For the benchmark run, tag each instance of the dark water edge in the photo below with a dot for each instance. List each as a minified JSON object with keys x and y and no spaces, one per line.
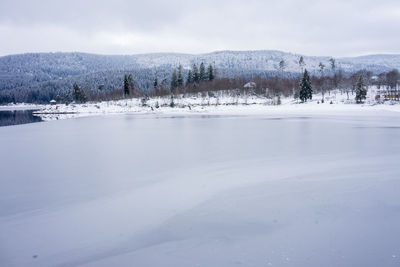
{"x":16,"y":117}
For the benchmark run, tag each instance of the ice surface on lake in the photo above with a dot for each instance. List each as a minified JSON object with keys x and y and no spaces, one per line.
{"x":157,"y":190}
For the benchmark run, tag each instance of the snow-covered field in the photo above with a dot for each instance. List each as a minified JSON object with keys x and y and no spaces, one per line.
{"x":282,"y":188}
{"x":218,"y":103}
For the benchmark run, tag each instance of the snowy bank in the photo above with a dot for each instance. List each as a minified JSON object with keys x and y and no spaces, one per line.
{"x":215,"y":104}
{"x":21,"y":106}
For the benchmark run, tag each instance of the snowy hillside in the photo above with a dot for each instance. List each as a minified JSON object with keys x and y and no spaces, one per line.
{"x":41,"y":77}
{"x":28,"y":69}
{"x":375,"y":63}
{"x":268,"y":60}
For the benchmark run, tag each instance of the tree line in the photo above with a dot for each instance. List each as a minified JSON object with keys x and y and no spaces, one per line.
{"x":301,"y":88}
{"x":204,"y":79}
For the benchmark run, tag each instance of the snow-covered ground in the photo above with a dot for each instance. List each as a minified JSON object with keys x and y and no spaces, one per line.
{"x":20,"y":106}
{"x":287,"y":188}
{"x":218,"y":103}
{"x":222,"y":103}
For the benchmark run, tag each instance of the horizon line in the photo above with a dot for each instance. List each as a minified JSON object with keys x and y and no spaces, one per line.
{"x":198,"y":54}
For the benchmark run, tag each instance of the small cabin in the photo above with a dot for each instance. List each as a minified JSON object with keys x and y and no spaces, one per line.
{"x":250,"y":85}
{"x":53,"y":102}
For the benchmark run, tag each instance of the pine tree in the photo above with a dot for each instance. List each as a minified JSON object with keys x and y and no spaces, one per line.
{"x":322,"y":86}
{"x":155,"y":86}
{"x":321,"y":68}
{"x":189,"y":79}
{"x":155,"y":83}
{"x":126,"y":85}
{"x":333,"y":64}
{"x":164,"y":85}
{"x":361,"y":91}
{"x":302,"y":63}
{"x":196,"y":74}
{"x":67,"y":99}
{"x":305,"y":87}
{"x":180,"y":76}
{"x":203,"y":76}
{"x":174,"y":80}
{"x":282,"y":66}
{"x":78,"y":94}
{"x":210,"y":73}
{"x":131,"y":85}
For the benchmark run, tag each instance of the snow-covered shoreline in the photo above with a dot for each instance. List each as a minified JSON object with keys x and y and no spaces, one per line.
{"x":21,"y":106}
{"x":127,"y":107}
{"x":218,"y":105}
{"x":239,"y":105}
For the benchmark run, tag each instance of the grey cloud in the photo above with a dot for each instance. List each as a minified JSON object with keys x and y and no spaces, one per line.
{"x":89,"y":15}
{"x":338,"y":28}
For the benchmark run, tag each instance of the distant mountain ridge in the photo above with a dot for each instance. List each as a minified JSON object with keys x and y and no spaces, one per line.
{"x":59,"y":70}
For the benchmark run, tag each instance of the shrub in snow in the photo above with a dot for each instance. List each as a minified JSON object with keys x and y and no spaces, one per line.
{"x":279,"y":100}
{"x":144,"y":100}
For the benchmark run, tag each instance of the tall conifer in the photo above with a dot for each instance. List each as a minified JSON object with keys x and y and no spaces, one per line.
{"x":305,"y":87}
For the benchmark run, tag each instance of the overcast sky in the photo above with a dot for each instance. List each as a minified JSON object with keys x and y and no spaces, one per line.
{"x":314,"y":27}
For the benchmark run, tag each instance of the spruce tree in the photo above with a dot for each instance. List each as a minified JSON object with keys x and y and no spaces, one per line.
{"x":322,"y":85}
{"x":361,"y":91}
{"x":189,"y":79}
{"x":164,"y":85}
{"x":180,"y":76}
{"x":305,"y":87}
{"x":155,"y":86}
{"x":333,"y":64}
{"x":78,"y":94}
{"x":174,"y":80}
{"x":203,"y":76}
{"x":301,"y":63}
{"x":131,"y":85}
{"x":126,"y":85}
{"x":155,"y":83}
{"x":282,"y":66}
{"x":210,"y":73}
{"x":196,"y":74}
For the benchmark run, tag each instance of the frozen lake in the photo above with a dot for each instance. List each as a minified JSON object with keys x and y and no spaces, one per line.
{"x":196,"y":190}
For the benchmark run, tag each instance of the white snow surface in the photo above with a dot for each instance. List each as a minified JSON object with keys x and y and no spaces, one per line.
{"x":20,"y":106}
{"x":282,"y":187}
{"x":219,"y":103}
